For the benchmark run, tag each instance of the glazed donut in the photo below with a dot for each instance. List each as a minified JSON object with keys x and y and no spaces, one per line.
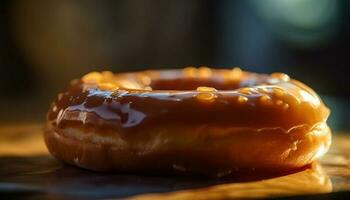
{"x":195,"y":120}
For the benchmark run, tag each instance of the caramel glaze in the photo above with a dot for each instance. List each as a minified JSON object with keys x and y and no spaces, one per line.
{"x":128,"y":103}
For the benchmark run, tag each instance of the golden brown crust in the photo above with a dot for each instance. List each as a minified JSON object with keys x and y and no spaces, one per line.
{"x":204,"y":150}
{"x":222,"y":122}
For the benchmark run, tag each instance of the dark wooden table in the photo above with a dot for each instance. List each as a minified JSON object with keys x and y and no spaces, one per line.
{"x":27,"y":171}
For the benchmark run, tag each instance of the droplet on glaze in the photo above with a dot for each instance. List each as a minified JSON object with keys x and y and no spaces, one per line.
{"x":143,"y":78}
{"x":242,"y":99}
{"x":295,"y":145}
{"x":282,"y":76}
{"x":236,"y":73}
{"x":146,"y":80}
{"x":206,"y":93}
{"x":107,"y":74}
{"x":265,"y":100}
{"x":204,"y":72}
{"x":92,"y":77}
{"x":279,"y":102}
{"x":190,"y":72}
{"x":278,"y":91}
{"x":282,"y":104}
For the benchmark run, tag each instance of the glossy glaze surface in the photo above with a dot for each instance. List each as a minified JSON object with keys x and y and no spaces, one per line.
{"x":130,"y":102}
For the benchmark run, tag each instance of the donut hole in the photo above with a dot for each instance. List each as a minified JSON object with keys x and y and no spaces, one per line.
{"x":193,"y":84}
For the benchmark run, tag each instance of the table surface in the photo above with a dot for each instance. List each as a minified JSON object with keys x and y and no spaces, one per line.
{"x":27,"y":171}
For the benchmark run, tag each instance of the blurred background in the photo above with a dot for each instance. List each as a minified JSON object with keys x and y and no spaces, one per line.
{"x":46,"y":43}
